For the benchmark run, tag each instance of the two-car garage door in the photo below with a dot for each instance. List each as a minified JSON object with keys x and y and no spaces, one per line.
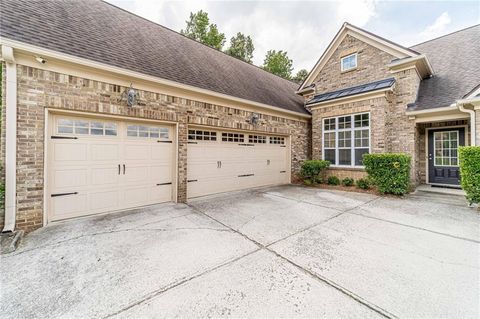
{"x":97,"y":165}
{"x":221,"y":161}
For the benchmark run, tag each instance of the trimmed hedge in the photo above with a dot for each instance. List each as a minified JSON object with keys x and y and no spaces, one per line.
{"x":390,"y":172}
{"x":363,"y":183}
{"x":469,"y":159}
{"x":348,"y":181}
{"x":333,"y":180}
{"x":312,"y":171}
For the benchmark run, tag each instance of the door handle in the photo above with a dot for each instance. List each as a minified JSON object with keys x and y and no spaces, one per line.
{"x":220,"y":164}
{"x":118,"y":169}
{"x":123,"y":169}
{"x":268,"y":162}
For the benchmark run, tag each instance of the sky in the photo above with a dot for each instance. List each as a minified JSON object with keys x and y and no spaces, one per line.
{"x":305,"y":28}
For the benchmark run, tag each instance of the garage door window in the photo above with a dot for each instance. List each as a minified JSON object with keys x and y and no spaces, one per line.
{"x":277,"y":140}
{"x":261,"y":139}
{"x":232,"y":137}
{"x":83,"y":127}
{"x":198,"y":135}
{"x":147,"y":131}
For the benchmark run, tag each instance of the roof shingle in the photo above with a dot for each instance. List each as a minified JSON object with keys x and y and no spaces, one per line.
{"x":455,"y":59}
{"x":101,"y":32}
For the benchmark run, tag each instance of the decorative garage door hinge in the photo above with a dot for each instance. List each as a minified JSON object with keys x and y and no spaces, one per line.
{"x":192,"y":180}
{"x":192,"y":142}
{"x":164,"y":141}
{"x":283,"y":171}
{"x":64,"y":194}
{"x":64,"y":137}
{"x":169,"y":183}
{"x":246,"y":144}
{"x":246,"y":175}
{"x":283,"y":145}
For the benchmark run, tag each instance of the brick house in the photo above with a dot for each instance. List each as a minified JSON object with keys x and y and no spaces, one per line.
{"x":104,"y":111}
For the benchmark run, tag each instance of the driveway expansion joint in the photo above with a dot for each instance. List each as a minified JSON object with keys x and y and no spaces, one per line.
{"x":313,"y":275}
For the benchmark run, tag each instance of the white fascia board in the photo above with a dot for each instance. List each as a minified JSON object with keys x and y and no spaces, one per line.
{"x":125,"y":72}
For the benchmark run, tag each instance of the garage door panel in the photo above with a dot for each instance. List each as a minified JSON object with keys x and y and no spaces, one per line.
{"x":104,"y":152}
{"x":92,"y":166}
{"x":70,"y":151}
{"x":70,"y":178}
{"x":104,"y":176}
{"x":243,"y":165}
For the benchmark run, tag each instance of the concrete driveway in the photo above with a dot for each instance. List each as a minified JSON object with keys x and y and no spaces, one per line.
{"x":282,"y":251}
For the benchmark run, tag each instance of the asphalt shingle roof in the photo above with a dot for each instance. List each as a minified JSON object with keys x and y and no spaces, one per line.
{"x":364,"y":88}
{"x":455,"y":59}
{"x":101,"y":32}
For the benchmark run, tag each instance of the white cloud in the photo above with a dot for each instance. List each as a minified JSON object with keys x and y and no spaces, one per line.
{"x":437,"y":28}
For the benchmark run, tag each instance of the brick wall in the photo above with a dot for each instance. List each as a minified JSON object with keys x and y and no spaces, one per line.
{"x":2,"y":140}
{"x":371,"y":66}
{"x":39,"y":89}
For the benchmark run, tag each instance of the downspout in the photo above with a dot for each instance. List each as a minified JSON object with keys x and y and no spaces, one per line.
{"x":460,"y":104}
{"x":10,"y":138}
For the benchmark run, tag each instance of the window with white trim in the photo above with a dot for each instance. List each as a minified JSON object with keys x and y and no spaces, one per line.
{"x":147,"y":131}
{"x":346,"y":138}
{"x":202,"y":135}
{"x":277,"y":140}
{"x":348,"y":62}
{"x":85,"y":127}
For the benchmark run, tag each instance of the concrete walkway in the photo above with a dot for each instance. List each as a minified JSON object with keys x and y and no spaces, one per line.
{"x":284,"y":251}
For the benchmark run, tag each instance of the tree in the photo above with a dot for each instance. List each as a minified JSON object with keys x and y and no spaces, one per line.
{"x":300,"y":76}
{"x":278,"y":63}
{"x":200,"y":29}
{"x":241,"y":47}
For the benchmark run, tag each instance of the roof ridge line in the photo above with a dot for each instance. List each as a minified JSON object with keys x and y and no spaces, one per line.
{"x":446,"y":35}
{"x":178,"y":33}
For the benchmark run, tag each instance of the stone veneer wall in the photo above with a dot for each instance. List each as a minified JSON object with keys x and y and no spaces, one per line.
{"x":39,"y":89}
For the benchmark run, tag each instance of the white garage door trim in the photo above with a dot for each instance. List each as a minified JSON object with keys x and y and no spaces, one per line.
{"x":244,"y":159}
{"x":172,"y":148}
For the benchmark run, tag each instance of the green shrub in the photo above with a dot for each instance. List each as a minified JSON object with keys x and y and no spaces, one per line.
{"x":313,"y":170}
{"x":333,"y":180}
{"x":389,"y":172}
{"x":363,"y":183}
{"x":347,"y":181}
{"x":469,"y":159}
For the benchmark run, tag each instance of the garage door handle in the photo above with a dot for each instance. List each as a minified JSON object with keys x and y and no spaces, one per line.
{"x":160,"y":184}
{"x":283,"y":171}
{"x":164,"y":141}
{"x":192,"y":180}
{"x":64,"y":194}
{"x":123,"y":169}
{"x":283,"y":146}
{"x":246,"y":175}
{"x":118,"y":169}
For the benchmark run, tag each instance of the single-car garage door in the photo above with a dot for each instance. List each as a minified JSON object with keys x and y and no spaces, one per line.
{"x":101,"y":165}
{"x":225,"y":161}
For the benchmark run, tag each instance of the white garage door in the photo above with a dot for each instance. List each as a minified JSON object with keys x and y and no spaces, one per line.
{"x":225,"y":161}
{"x":97,"y":165}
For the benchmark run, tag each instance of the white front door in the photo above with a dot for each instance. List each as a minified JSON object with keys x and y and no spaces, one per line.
{"x":101,"y":165}
{"x":225,"y":161}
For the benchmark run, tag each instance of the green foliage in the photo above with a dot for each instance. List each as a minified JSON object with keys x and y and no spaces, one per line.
{"x":347,"y":181}
{"x":241,"y":47}
{"x":469,"y":158}
{"x":363,"y":183}
{"x":278,"y":63}
{"x":389,"y":172}
{"x":312,"y":171}
{"x":333,"y":180}
{"x":300,"y":76}
{"x":2,"y":196}
{"x":200,"y":29}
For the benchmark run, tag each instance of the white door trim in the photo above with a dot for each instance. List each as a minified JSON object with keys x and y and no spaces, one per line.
{"x":427,"y":176}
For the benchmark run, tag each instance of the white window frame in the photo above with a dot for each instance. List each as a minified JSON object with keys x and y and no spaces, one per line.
{"x":352,"y":129}
{"x":348,"y":56}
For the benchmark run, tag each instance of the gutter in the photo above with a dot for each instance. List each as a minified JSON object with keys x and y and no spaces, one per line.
{"x":10,"y":138}
{"x":460,"y":104}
